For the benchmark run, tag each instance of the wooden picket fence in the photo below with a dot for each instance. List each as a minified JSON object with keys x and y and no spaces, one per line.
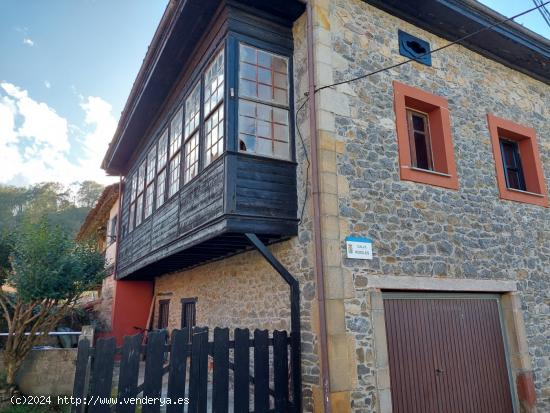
{"x":255,"y":370}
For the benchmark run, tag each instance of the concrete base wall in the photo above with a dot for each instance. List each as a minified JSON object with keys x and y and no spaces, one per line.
{"x":47,"y":372}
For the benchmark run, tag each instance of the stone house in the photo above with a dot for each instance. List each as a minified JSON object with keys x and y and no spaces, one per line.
{"x":409,"y":202}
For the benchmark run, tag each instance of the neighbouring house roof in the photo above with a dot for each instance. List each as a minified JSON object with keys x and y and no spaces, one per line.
{"x":99,"y":214}
{"x":184,"y":22}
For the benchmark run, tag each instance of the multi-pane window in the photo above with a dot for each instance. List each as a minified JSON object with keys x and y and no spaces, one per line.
{"x":132,"y":210}
{"x":176,"y":126}
{"x":263,"y":103}
{"x":213,"y":134}
{"x":150,"y":181}
{"x":139,"y":191}
{"x":192,"y":117}
{"x":419,"y":140}
{"x":213,"y":84}
{"x":174,"y":181}
{"x":191,"y":157}
{"x":213,"y":109}
{"x":162,"y":157}
{"x":511,"y":160}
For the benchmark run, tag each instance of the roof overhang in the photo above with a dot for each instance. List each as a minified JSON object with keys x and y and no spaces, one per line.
{"x":509,"y":43}
{"x":183,"y":24}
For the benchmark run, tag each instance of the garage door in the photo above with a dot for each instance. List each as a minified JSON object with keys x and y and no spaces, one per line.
{"x":446,"y":354}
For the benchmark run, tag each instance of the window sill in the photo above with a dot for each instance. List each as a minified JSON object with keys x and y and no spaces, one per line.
{"x":519,"y":191}
{"x":424,"y":176}
{"x":428,"y":171}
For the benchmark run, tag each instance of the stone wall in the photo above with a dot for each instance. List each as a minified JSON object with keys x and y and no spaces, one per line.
{"x":420,"y":230}
{"x":47,"y":372}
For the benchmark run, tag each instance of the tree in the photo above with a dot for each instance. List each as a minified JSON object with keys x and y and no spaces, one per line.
{"x":48,"y":272}
{"x":88,"y":193}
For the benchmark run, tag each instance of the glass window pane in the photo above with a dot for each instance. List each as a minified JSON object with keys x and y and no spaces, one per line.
{"x":264,"y":59}
{"x":280,"y":96}
{"x":161,"y":187}
{"x":281,"y":80}
{"x":280,"y":133}
{"x":247,"y":143}
{"x":247,"y":125}
{"x":248,"y":71}
{"x":258,"y":82}
{"x":213,"y":84}
{"x":247,"y":108}
{"x":280,"y":64}
{"x":264,"y":147}
{"x":262,"y":127}
{"x":151,"y":160}
{"x":139,"y":210}
{"x":247,"y":88}
{"x":418,"y":123}
{"x":282,"y":150}
{"x":247,"y":54}
{"x":264,"y":112}
{"x":264,"y":76}
{"x":192,"y":111}
{"x":422,"y":157}
{"x":133,"y":187}
{"x":141,"y":177}
{"x":174,"y":185}
{"x":162,"y":150}
{"x":175,"y":132}
{"x":213,"y":130}
{"x":280,"y":116}
{"x":191,"y":157}
{"x":149,"y":200}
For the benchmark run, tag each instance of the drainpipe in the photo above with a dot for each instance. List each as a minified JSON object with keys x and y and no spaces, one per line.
{"x":319,"y":270}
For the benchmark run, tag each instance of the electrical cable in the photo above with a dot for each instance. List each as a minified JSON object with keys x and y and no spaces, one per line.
{"x":491,"y":26}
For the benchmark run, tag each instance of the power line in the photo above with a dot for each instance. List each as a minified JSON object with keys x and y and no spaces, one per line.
{"x":538,"y":7}
{"x":543,"y":11}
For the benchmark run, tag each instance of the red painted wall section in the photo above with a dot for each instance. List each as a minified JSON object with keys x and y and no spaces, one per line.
{"x":131,"y":307}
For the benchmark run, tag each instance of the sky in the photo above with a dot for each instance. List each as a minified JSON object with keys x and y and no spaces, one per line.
{"x":66,"y":69}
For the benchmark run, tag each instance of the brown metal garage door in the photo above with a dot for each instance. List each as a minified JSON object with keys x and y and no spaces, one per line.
{"x":446,"y":354}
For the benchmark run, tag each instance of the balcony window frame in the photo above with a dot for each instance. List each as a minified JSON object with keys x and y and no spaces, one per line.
{"x":236,"y":39}
{"x":219,"y":108}
{"x":177,"y":153}
{"x":162,"y":168}
{"x":536,"y":191}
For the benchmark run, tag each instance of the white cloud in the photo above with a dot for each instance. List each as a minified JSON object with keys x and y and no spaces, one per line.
{"x":28,"y":41}
{"x":47,"y":84}
{"x":35,"y":140}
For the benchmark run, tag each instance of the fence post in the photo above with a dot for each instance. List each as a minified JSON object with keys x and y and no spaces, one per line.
{"x":81,"y":374}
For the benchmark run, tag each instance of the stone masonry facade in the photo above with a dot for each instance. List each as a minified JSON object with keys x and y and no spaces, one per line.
{"x":418,"y":230}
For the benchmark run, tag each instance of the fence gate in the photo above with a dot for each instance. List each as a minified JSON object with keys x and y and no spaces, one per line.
{"x":191,"y":374}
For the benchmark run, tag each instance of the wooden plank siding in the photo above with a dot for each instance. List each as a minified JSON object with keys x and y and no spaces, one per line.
{"x":235,"y":194}
{"x":262,"y":199}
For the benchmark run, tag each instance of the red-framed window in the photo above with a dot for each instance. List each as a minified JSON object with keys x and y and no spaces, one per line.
{"x":426,"y":153}
{"x":518,"y":166}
